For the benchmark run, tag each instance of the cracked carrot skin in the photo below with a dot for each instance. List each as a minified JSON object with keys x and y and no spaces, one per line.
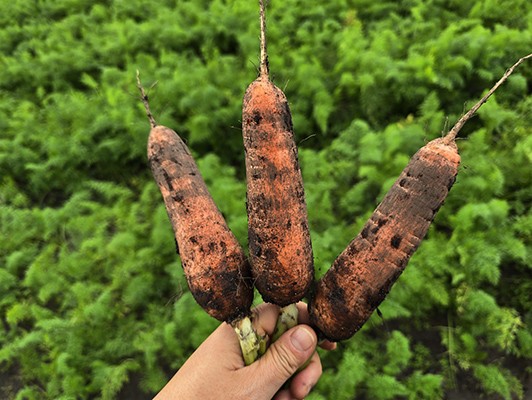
{"x":279,"y":240}
{"x":215,"y":266}
{"x":363,"y":274}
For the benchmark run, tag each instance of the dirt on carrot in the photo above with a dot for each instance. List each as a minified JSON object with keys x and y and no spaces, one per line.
{"x":363,"y":274}
{"x":279,"y":239}
{"x":216,"y":268}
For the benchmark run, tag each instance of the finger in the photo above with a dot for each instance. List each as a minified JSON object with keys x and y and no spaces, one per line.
{"x":283,"y":358}
{"x":223,"y":341}
{"x":283,"y":394}
{"x":326,"y":345}
{"x":303,"y":318}
{"x":265,"y":317}
{"x":303,"y":382}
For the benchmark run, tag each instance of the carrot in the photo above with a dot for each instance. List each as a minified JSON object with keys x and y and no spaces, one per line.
{"x":363,"y":274}
{"x":215,"y":266}
{"x":217,"y":271}
{"x":279,"y":241}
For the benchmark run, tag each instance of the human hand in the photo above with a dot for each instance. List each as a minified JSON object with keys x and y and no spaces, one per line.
{"x":216,"y":369}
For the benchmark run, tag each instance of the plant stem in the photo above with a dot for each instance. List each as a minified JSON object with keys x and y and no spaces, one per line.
{"x":252,"y":344}
{"x":264,"y":65}
{"x":456,"y":128}
{"x":287,"y":319}
{"x":144,"y":99}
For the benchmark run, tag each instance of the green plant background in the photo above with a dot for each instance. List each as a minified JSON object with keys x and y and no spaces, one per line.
{"x":93,"y":302}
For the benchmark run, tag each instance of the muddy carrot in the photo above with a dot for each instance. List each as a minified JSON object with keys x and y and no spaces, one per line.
{"x":216,"y":268}
{"x":279,"y":241}
{"x":363,"y":274}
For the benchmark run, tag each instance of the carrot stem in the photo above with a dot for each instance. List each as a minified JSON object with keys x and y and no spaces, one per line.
{"x":144,"y":99}
{"x":287,"y":319}
{"x":264,"y":65}
{"x":252,"y":344}
{"x":456,"y":128}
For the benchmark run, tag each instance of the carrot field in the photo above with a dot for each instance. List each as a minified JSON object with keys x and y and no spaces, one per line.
{"x":94,"y":302}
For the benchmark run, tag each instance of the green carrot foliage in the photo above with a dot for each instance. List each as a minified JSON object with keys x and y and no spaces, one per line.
{"x":93,"y":301}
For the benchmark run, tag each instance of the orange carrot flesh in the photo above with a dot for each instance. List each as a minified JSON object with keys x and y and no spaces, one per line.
{"x":216,"y":269}
{"x":361,"y":277}
{"x":279,"y":239}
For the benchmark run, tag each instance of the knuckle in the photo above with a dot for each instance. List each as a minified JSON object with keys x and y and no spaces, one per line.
{"x":285,"y":363}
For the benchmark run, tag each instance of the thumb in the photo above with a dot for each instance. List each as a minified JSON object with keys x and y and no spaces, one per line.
{"x":284,"y":357}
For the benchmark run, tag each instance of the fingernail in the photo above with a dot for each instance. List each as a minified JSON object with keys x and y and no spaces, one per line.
{"x":302,"y":339}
